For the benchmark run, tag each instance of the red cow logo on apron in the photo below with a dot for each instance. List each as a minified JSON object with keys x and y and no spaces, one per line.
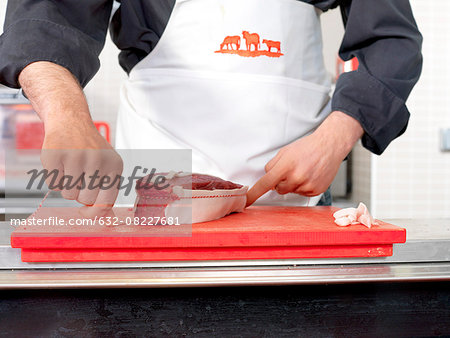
{"x":232,"y":44}
{"x":229,"y":41}
{"x":251,"y":40}
{"x":274,"y":44}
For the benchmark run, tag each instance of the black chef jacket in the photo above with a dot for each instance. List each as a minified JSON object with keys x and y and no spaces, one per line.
{"x":382,"y":34}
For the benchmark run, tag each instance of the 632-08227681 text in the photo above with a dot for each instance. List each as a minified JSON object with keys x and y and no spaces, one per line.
{"x":107,"y":221}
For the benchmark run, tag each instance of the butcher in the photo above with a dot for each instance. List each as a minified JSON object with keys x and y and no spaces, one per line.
{"x":259,"y":114}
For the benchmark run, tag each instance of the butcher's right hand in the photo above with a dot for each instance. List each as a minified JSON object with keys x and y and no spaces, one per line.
{"x":73,"y":146}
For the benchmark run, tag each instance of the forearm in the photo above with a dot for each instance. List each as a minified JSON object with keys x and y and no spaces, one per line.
{"x":55,"y":94}
{"x":340,"y":132}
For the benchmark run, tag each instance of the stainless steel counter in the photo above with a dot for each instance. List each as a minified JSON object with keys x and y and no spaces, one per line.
{"x":424,"y":256}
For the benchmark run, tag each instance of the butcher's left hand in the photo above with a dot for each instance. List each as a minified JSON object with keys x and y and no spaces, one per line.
{"x":309,"y":165}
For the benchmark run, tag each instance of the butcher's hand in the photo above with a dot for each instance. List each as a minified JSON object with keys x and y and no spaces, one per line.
{"x":309,"y":165}
{"x":72,"y":144}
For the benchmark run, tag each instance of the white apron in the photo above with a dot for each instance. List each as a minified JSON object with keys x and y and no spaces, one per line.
{"x":234,"y":109}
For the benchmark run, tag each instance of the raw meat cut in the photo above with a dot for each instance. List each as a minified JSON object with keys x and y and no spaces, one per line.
{"x":186,"y":181}
{"x":190,"y":197}
{"x":358,"y":215}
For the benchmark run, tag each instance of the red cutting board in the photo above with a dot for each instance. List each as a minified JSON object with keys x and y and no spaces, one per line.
{"x":260,"y":232}
{"x":202,"y":254}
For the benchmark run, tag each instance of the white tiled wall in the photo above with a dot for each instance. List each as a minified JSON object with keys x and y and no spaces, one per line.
{"x":361,"y":175}
{"x":332,"y":33}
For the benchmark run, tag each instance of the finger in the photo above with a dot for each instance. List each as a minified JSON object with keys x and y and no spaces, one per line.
{"x":51,"y":161}
{"x":286,"y":186}
{"x":89,"y":193}
{"x":305,"y":191}
{"x":73,"y":174}
{"x":264,"y":184}
{"x":295,"y":182}
{"x":105,"y":199}
{"x":272,"y":162}
{"x":107,"y":184}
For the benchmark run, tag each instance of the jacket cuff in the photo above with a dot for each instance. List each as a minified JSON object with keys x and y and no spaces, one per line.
{"x":381,"y":113}
{"x":59,"y":44}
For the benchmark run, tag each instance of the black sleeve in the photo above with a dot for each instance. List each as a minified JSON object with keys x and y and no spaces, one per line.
{"x":70,"y":33}
{"x":384,"y":37}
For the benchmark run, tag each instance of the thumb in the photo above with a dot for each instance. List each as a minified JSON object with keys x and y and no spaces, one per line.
{"x":264,"y":184}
